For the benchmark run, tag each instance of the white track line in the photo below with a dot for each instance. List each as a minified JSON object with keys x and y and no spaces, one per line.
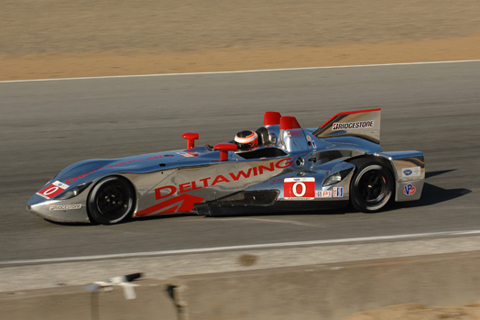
{"x":244,"y":247}
{"x":244,"y":71}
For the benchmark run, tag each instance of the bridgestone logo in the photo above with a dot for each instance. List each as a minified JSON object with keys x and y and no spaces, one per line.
{"x":353,"y":125}
{"x":65,"y":207}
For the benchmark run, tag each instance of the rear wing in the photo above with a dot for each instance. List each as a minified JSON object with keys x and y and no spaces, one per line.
{"x":364,"y":124}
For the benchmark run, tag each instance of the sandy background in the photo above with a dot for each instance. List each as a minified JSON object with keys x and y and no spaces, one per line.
{"x":80,"y":38}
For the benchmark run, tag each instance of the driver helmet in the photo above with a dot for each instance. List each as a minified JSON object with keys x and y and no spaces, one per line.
{"x":246,"y":139}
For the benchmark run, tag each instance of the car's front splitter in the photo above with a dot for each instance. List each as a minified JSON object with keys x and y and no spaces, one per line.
{"x":71,"y":211}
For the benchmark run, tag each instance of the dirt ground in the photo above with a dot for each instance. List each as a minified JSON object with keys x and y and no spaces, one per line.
{"x":413,"y":311}
{"x":84,"y":38}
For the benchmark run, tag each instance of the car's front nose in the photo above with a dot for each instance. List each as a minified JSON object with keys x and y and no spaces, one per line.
{"x":72,"y":210}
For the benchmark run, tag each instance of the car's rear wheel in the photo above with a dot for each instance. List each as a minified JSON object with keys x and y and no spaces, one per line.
{"x":372,"y":186}
{"x":111,"y":200}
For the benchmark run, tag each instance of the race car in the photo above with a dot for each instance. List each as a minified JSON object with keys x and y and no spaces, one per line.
{"x":280,"y":167}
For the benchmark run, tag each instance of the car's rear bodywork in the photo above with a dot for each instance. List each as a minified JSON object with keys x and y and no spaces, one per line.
{"x":293,"y":169}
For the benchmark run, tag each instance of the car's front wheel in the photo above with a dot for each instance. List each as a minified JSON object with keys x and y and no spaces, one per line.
{"x":111,"y":200}
{"x":372,"y":186}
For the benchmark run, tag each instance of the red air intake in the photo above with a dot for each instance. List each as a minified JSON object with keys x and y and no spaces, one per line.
{"x":287,"y":123}
{"x":271,"y":118}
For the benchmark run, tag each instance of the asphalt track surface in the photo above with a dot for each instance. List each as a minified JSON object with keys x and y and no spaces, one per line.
{"x":47,"y":125}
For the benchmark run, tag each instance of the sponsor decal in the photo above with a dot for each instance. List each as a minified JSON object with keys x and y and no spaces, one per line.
{"x":299,"y":188}
{"x":409,"y":190}
{"x":230,"y":177}
{"x":353,"y":125}
{"x":411,"y":172}
{"x":337,"y":192}
{"x":63,"y":207}
{"x":189,"y":154}
{"x":185,"y":202}
{"x":294,"y":133}
{"x":53,"y":190}
{"x":323,"y":194}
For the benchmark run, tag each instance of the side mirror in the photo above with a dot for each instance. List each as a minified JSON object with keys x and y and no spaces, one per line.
{"x":224,"y":148}
{"x":191,"y":137}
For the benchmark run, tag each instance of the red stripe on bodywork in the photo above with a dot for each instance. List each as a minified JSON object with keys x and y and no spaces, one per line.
{"x":348,"y":112}
{"x":184,"y":203}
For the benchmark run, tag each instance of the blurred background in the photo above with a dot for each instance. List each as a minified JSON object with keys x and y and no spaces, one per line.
{"x":47,"y":125}
{"x":81,"y":38}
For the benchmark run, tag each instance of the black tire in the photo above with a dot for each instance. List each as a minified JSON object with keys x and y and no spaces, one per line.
{"x":372,"y":186}
{"x":111,"y":200}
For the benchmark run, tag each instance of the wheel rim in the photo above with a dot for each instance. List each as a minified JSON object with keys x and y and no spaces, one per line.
{"x":373,"y":187}
{"x":112,"y":201}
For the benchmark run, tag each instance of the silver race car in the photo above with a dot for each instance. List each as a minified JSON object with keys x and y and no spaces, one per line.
{"x":280,"y":167}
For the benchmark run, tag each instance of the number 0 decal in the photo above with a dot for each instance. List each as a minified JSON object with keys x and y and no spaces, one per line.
{"x":299,"y":188}
{"x":53,"y":190}
{"x":303,"y":189}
